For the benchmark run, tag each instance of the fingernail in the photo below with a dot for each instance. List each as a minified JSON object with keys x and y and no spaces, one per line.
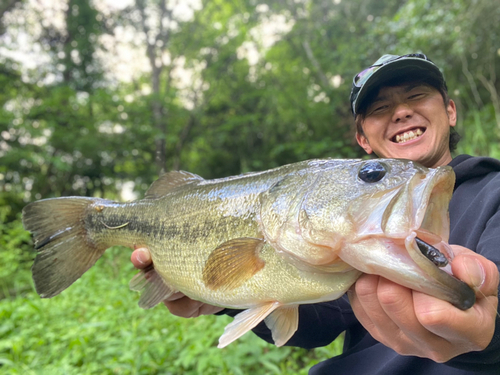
{"x":475,"y":271}
{"x":143,"y":256}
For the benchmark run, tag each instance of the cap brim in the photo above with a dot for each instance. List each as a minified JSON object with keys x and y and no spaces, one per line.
{"x":406,"y":69}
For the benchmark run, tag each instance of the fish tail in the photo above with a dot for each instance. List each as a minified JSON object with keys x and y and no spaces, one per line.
{"x":65,"y":250}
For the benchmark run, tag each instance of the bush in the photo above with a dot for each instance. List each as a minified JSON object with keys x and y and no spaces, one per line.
{"x":96,"y":327}
{"x":16,"y":254}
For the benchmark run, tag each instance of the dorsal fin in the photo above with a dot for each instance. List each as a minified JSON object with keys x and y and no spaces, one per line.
{"x":170,"y":181}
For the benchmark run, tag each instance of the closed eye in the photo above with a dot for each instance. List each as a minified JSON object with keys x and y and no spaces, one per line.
{"x":379,"y":108}
{"x":416,"y":96}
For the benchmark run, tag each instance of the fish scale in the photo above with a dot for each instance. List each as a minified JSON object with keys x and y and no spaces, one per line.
{"x":265,"y":242}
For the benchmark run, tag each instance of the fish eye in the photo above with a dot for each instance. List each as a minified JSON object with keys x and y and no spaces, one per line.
{"x":372,"y":171}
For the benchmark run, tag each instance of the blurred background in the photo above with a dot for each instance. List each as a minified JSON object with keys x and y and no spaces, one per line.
{"x":98,"y":97}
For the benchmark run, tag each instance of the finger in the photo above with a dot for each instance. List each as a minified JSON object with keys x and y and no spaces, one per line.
{"x":141,"y":258}
{"x":469,"y":330}
{"x":175,"y":296}
{"x":476,"y":271}
{"x":389,"y":308}
{"x":360,"y":313}
{"x":474,"y":326}
{"x":439,"y":317}
{"x":207,"y":309}
{"x":399,"y":303}
{"x":366,"y":306}
{"x":184,"y":307}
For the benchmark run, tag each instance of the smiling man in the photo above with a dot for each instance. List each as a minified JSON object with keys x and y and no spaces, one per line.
{"x":402,"y":110}
{"x":410,"y":116}
{"x":409,"y":121}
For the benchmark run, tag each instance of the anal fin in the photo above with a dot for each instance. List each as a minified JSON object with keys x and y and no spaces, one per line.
{"x":283,"y":322}
{"x":154,"y":289}
{"x":245,"y":321}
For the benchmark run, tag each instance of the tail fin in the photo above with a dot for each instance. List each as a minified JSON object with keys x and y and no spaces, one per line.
{"x":65,"y":252}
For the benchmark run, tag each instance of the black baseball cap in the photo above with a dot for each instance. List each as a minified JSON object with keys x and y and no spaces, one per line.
{"x":393,"y":67}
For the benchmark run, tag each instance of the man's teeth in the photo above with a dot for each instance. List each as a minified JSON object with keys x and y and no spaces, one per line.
{"x":408,"y":136}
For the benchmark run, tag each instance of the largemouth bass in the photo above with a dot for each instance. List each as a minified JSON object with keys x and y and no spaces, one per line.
{"x":264,"y":242}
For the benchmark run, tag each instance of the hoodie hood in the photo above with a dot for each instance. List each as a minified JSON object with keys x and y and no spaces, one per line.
{"x":467,"y":167}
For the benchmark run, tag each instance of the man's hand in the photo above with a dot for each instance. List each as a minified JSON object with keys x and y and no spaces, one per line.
{"x":413,"y":323}
{"x":178,"y":304}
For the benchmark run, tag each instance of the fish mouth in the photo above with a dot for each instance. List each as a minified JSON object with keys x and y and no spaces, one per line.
{"x":446,"y":287}
{"x":427,"y":239}
{"x":408,"y":135}
{"x":409,"y":245}
{"x":411,"y":263}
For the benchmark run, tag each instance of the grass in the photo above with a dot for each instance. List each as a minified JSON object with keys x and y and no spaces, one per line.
{"x":96,"y":327}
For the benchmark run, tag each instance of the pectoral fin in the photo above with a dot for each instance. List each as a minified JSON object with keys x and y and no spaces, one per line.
{"x":245,"y":321}
{"x":283,"y":323}
{"x":233,"y":263}
{"x":154,"y":290}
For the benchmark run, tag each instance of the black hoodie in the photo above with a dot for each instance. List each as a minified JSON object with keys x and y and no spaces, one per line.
{"x":475,"y":224}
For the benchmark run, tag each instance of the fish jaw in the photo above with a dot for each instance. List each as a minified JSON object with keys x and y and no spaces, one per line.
{"x":402,"y":262}
{"x":384,"y":257}
{"x":385,"y":241}
{"x":448,"y":287}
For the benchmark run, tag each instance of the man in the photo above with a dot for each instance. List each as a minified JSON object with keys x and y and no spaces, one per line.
{"x":402,"y":110}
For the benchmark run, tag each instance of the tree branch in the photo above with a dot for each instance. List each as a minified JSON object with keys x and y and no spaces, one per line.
{"x":316,"y":65}
{"x":495,"y":100}
{"x":472,"y":83}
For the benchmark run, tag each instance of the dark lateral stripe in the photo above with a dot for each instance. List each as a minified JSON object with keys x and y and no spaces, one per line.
{"x":196,"y":230}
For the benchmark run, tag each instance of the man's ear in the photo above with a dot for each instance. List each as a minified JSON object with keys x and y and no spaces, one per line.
{"x":363,"y":142}
{"x":451,"y":109}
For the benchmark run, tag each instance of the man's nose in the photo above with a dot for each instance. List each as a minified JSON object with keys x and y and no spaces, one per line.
{"x":402,"y":112}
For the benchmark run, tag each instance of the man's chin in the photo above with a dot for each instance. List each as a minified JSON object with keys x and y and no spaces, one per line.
{"x":405,"y":152}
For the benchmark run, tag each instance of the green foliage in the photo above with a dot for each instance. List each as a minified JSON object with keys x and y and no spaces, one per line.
{"x":16,"y":252}
{"x":462,"y":37}
{"x":69,"y":127}
{"x":96,"y":327}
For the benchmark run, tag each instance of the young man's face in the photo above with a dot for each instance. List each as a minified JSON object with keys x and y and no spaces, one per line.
{"x":409,"y":122}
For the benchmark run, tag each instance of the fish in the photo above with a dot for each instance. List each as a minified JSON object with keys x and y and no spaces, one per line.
{"x":263,"y":242}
